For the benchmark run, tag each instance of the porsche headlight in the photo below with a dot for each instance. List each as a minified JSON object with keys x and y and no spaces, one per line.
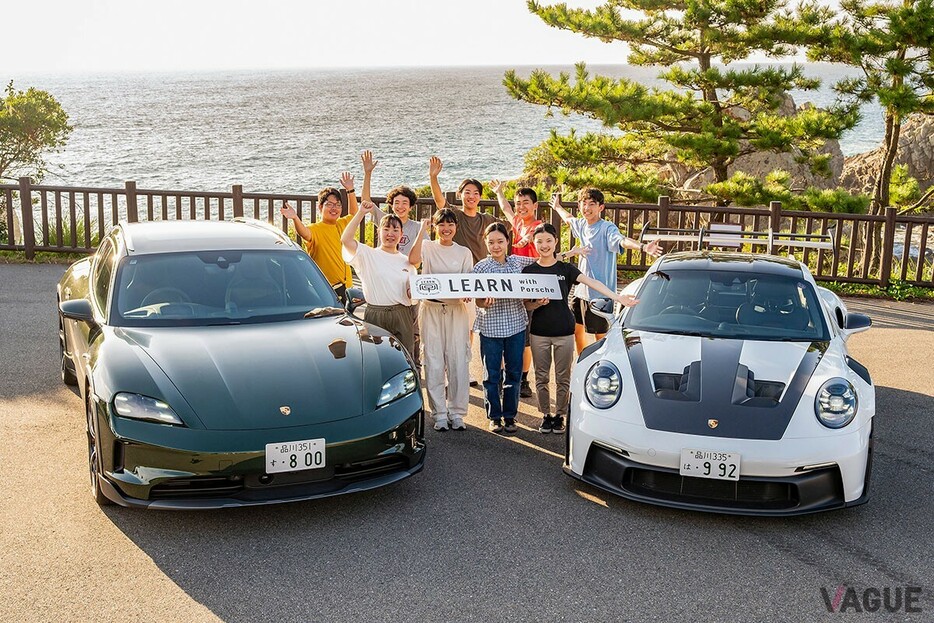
{"x":398,"y":386}
{"x":836,"y":403}
{"x":603,"y":385}
{"x":140,"y":407}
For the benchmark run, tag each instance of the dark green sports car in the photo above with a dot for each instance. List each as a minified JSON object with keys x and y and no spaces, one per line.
{"x":217,"y":369}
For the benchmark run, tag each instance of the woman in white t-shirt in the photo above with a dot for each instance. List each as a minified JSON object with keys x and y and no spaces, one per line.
{"x":385,"y":273}
{"x":446,"y":329}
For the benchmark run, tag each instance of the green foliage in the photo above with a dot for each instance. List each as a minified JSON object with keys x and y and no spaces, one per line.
{"x":66,"y":234}
{"x":898,"y":290}
{"x":31,"y":123}
{"x":891,"y":42}
{"x":710,"y":116}
{"x":904,"y":190}
{"x":746,"y":190}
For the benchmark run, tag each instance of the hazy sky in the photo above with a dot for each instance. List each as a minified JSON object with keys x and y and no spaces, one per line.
{"x":118,"y":35}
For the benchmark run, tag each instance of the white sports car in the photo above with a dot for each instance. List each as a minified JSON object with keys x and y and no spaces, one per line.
{"x":728,"y":388}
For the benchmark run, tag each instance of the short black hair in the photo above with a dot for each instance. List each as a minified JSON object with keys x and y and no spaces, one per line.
{"x":324,"y":193}
{"x":445,"y":215}
{"x":590,"y":193}
{"x":525,"y":191}
{"x":471,"y":181}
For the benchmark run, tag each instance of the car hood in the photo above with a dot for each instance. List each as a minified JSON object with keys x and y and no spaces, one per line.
{"x":260,"y":376}
{"x":720,"y":387}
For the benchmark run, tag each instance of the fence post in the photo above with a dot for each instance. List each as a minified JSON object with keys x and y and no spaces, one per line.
{"x":450,"y":197}
{"x":237,"y":190}
{"x":663,"y":203}
{"x":888,"y":244}
{"x":132,"y":209}
{"x":775,"y":222}
{"x":25,"y":204}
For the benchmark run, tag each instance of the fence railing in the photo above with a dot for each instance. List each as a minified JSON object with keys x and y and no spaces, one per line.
{"x":871,"y":249}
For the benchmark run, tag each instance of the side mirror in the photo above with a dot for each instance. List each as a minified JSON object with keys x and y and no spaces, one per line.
{"x":854,"y":323}
{"x":354,"y":299}
{"x":77,"y":309}
{"x":602,"y":307}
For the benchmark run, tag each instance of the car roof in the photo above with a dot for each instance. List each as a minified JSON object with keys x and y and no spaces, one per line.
{"x":740,"y":262}
{"x":180,"y":236}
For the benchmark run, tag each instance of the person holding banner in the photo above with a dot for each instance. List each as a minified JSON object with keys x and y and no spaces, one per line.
{"x":384,"y":272}
{"x":551,"y":326}
{"x":501,"y":323}
{"x":445,"y":322}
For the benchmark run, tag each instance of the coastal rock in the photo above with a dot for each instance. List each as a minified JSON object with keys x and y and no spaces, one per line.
{"x":760,"y":164}
{"x":915,"y":149}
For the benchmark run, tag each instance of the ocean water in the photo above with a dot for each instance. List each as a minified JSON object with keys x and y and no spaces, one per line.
{"x":295,"y":131}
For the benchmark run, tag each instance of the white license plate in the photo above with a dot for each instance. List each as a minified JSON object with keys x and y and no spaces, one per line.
{"x":710,"y":464}
{"x":294,"y":456}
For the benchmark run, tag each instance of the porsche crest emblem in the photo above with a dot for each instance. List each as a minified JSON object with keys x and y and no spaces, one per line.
{"x":713,"y":423}
{"x":285,"y":410}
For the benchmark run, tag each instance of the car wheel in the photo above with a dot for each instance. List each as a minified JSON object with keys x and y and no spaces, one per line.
{"x":68,"y":375}
{"x":93,"y":459}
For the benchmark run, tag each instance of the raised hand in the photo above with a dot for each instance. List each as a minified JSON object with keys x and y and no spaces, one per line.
{"x":347,"y":181}
{"x":288,"y":211}
{"x":434,"y":166}
{"x":653,"y":248}
{"x":368,"y":163}
{"x":579,"y":250}
{"x":367,"y":207}
{"x":496,"y":186}
{"x":556,"y":198}
{"x":425,"y":224}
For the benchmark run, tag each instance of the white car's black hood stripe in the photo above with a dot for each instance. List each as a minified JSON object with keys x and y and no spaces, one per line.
{"x":722,"y":385}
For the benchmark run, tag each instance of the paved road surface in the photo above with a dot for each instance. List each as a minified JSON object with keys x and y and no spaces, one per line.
{"x":490,"y":531}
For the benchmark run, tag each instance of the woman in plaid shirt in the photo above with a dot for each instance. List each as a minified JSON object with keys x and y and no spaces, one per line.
{"x":501,"y":324}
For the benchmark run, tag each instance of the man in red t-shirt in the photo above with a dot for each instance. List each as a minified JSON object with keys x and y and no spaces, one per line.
{"x":524,"y":220}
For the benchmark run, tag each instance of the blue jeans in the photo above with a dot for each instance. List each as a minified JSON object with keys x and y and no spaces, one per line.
{"x":494,"y":351}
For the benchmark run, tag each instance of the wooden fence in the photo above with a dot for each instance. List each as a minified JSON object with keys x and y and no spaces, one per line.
{"x":64,"y":219}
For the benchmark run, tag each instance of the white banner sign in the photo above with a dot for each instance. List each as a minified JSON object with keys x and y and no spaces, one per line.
{"x":485,"y":285}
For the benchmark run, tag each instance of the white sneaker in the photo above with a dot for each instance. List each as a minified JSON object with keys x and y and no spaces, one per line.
{"x":458,"y":424}
{"x":441,"y":426}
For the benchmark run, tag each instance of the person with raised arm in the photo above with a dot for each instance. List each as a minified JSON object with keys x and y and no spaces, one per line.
{"x":322,"y":239}
{"x":445,"y":322}
{"x":401,"y":201}
{"x":384,"y":272}
{"x":524,"y":221}
{"x":552,"y":326}
{"x":471,"y":223}
{"x":605,"y":242}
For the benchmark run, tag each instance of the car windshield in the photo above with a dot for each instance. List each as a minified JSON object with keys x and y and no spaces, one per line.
{"x":728,"y":304}
{"x":217,"y":287}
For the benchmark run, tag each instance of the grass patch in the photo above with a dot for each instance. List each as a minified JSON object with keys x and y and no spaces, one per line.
{"x":41,"y":257}
{"x":898,"y":290}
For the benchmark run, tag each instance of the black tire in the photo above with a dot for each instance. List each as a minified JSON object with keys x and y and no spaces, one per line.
{"x":68,"y":375}
{"x":93,"y":458}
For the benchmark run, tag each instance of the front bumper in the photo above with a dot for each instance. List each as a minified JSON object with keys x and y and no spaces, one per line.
{"x":194,"y":469}
{"x":775,"y":479}
{"x":809,"y":492}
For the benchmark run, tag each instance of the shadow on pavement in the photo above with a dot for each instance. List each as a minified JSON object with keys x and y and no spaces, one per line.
{"x":493,"y":530}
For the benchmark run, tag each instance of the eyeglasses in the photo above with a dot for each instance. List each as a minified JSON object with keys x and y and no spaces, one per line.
{"x":331,"y":204}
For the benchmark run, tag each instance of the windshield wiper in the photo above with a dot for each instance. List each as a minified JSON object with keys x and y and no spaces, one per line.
{"x":321,"y":312}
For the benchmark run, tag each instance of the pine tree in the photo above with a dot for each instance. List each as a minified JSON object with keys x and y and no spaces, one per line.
{"x":714,"y":113}
{"x":892,"y":43}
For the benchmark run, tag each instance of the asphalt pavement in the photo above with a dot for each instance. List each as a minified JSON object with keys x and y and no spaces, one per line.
{"x":491,"y":530}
